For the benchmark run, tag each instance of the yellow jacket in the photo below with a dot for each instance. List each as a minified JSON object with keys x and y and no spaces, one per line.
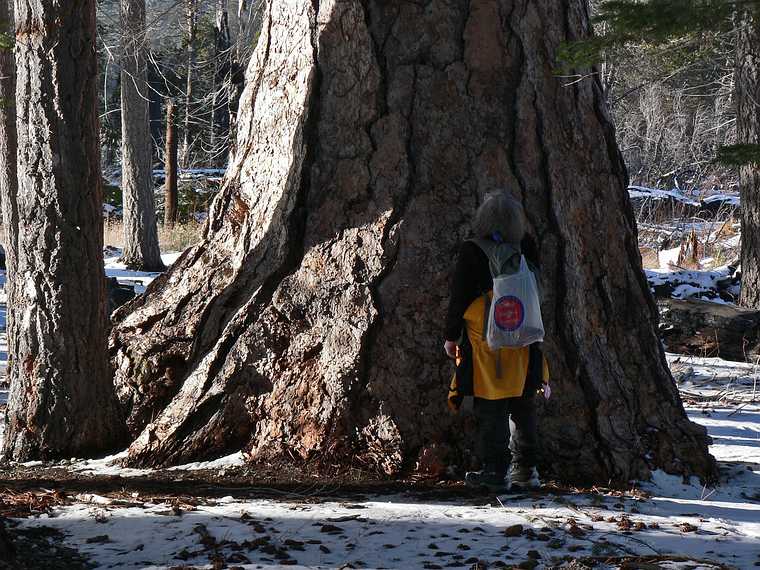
{"x":489,"y":374}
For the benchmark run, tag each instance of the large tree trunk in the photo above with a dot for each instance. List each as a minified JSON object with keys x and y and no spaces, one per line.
{"x":748,"y":131}
{"x":8,"y":147}
{"x":61,"y":398}
{"x":308,"y":321}
{"x":170,"y":167}
{"x":141,"y":248}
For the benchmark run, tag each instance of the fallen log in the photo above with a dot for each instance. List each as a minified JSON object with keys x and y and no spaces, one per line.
{"x":703,"y":328}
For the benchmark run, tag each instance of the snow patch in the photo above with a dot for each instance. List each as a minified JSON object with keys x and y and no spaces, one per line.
{"x":729,"y":199}
{"x":137,"y":279}
{"x":720,"y":285}
{"x":233,"y":460}
{"x":655,"y":194}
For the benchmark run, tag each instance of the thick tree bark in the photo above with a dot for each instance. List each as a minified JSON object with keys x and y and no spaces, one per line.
{"x":141,"y":248}
{"x":8,"y":180}
{"x":61,"y":400}
{"x":170,"y":167}
{"x":308,"y":321}
{"x":191,"y":22}
{"x":748,"y":131}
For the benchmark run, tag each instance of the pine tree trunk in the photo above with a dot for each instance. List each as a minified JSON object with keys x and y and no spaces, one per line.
{"x":61,"y":400}
{"x":111,"y":85}
{"x":748,"y":131}
{"x":308,"y":322}
{"x":155,"y":110}
{"x":190,"y":18}
{"x":219,"y":104}
{"x":237,"y":74}
{"x":170,"y":167}
{"x":141,"y":248}
{"x":8,"y":146}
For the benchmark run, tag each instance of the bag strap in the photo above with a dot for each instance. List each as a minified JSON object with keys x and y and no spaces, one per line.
{"x":498,"y":254}
{"x":486,"y":314}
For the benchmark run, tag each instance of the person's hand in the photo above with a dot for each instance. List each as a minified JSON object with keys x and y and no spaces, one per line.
{"x":547,"y":390}
{"x":451,"y":348}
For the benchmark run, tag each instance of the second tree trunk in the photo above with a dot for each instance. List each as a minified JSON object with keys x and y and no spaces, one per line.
{"x":141,"y":248}
{"x":748,"y":132}
{"x":61,"y":400}
{"x":170,"y":167}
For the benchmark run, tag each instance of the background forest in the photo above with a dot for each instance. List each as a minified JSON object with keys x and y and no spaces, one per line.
{"x":673,"y":104}
{"x":198,"y":51}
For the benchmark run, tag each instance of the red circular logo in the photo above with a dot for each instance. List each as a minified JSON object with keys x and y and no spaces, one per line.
{"x":509,"y":313}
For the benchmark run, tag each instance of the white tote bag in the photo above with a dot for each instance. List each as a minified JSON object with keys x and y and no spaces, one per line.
{"x":514,"y":318}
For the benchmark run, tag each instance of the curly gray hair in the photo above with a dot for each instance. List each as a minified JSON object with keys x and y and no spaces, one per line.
{"x":500,"y":213}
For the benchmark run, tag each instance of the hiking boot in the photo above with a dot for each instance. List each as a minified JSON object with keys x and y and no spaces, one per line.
{"x":523,"y":477}
{"x":489,"y":479}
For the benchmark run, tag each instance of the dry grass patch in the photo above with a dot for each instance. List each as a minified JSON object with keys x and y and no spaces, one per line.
{"x":649,"y":257}
{"x":177,"y":238}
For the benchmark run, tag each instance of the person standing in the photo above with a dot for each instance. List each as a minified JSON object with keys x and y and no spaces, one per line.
{"x":503,"y":382}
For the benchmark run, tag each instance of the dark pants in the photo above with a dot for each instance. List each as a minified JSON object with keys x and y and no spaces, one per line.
{"x":495,"y":448}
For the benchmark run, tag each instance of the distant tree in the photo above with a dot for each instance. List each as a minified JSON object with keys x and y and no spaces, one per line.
{"x":748,"y":126}
{"x":220,"y":115}
{"x":191,"y":22}
{"x":237,"y":68}
{"x":61,"y":400}
{"x":200,"y":47}
{"x":170,"y":167}
{"x":141,"y":247}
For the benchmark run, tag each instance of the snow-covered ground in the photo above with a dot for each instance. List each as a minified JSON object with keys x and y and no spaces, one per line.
{"x":402,"y":531}
{"x":110,"y":465}
{"x":405,"y":531}
{"x":718,"y":285}
{"x":138,"y":279}
{"x":663,"y":517}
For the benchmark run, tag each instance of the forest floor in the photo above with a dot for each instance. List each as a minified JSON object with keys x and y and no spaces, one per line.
{"x":228,"y":514}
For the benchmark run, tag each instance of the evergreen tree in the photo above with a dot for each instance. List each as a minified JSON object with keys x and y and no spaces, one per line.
{"x":663,"y":22}
{"x":61,"y":401}
{"x":141,"y":247}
